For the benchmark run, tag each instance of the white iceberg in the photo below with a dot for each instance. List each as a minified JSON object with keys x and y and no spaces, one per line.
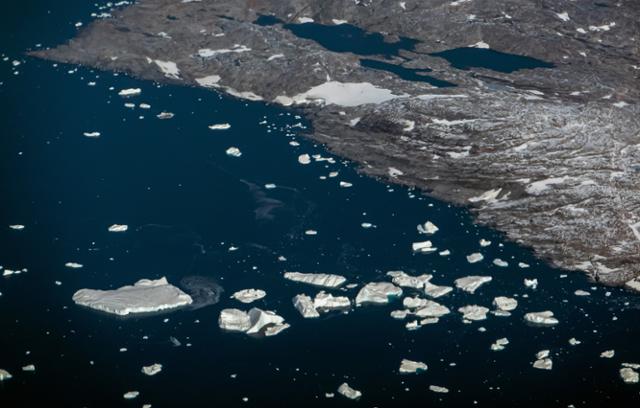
{"x":252,"y":322}
{"x":531,"y":283}
{"x":220,"y":126}
{"x":424,"y":247}
{"x":438,"y":389}
{"x":472,"y":283}
{"x":91,"y":134}
{"x":324,"y":280}
{"x":499,"y":262}
{"x":377,"y":293}
{"x":249,"y":295}
{"x":5,"y":375}
{"x":505,"y":304}
{"x":233,"y":152}
{"x":427,"y":228}
{"x":326,"y":301}
{"x":500,"y":344}
{"x":608,"y":354}
{"x":131,"y":395}
{"x":407,"y":281}
{"x":304,"y":159}
{"x":73,"y":265}
{"x":29,"y":368}
{"x":118,"y":228}
{"x":349,"y":392}
{"x":130,"y":92}
{"x":475,"y":257}
{"x":304,"y":305}
{"x":629,"y":375}
{"x":412,"y":367}
{"x":17,"y":227}
{"x":541,"y":318}
{"x":143,"y":297}
{"x":165,"y":115}
{"x":436,"y":291}
{"x":432,"y":309}
{"x":234,"y":320}
{"x":474,"y":312}
{"x":152,"y":369}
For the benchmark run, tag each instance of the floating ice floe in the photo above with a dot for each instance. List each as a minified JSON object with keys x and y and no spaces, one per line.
{"x":233,"y":152}
{"x":30,"y":368}
{"x":16,"y":227}
{"x":304,"y":159}
{"x":608,"y":354}
{"x":311,"y":232}
{"x":522,"y":265}
{"x":471,"y":283}
{"x":377,"y":293}
{"x":91,"y":134}
{"x":253,"y":322}
{"x":574,"y":342}
{"x":412,"y":367}
{"x":323,"y":302}
{"x":484,"y":243}
{"x":531,"y":283}
{"x":543,"y":361}
{"x":130,"y":92}
{"x":5,"y":375}
{"x":143,"y":297}
{"x":220,"y":126}
{"x":505,"y":304}
{"x":431,"y":309}
{"x":345,"y":184}
{"x":345,"y":390}
{"x":438,"y":389}
{"x":423,"y":247}
{"x":474,"y":312}
{"x":249,"y":295}
{"x":436,"y":291}
{"x":499,"y":262}
{"x":475,"y":257}
{"x":446,"y":252}
{"x":152,"y":369}
{"x":406,"y":281}
{"x":144,"y":106}
{"x":131,"y":395}
{"x":73,"y":265}
{"x":427,"y":228}
{"x":324,"y":280}
{"x":581,"y":292}
{"x":118,"y":228}
{"x":165,"y":115}
{"x":541,"y":318}
{"x":500,"y":344}
{"x":629,"y":374}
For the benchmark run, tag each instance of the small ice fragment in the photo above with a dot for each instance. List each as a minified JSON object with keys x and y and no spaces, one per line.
{"x":499,"y":262}
{"x":423,"y":247}
{"x":233,"y":152}
{"x":438,"y":389}
{"x":130,"y":92}
{"x":311,"y":232}
{"x":531,"y":283}
{"x":234,"y":320}
{"x":270,"y":186}
{"x":541,"y":318}
{"x":474,"y":257}
{"x":91,"y":134}
{"x":131,"y":395}
{"x":581,"y":292}
{"x":249,"y":295}
{"x":152,"y":369}
{"x":484,"y":242}
{"x":446,"y":252}
{"x":608,"y":354}
{"x":427,"y":228}
{"x":16,"y":227}
{"x":499,"y":344}
{"x":304,"y":159}
{"x":505,"y":304}
{"x":29,"y":368}
{"x":118,"y":228}
{"x":522,"y":265}
{"x":345,"y":184}
{"x":574,"y":342}
{"x":472,"y":283}
{"x":165,"y":115}
{"x":304,"y":304}
{"x":412,"y":367}
{"x":220,"y":126}
{"x":73,"y":265}
{"x":349,"y":392}
{"x":4,"y":375}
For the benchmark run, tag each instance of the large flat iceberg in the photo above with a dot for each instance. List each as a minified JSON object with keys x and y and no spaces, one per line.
{"x":143,"y":297}
{"x":317,"y":279}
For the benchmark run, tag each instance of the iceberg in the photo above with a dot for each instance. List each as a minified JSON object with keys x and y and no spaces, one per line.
{"x":304,"y":305}
{"x":541,"y":318}
{"x":5,"y":375}
{"x":91,"y":134}
{"x":412,"y":367}
{"x":249,"y":295}
{"x":143,"y":297}
{"x":474,"y":312}
{"x":130,"y":92}
{"x":377,"y":293}
{"x":17,"y":227}
{"x":424,"y":247}
{"x":234,"y":320}
{"x":436,"y":291}
{"x":438,"y":389}
{"x":475,"y":257}
{"x":131,"y":395}
{"x":252,"y":322}
{"x":499,"y":344}
{"x":220,"y":126}
{"x":472,"y":283}
{"x":505,"y":304}
{"x":233,"y":152}
{"x":499,"y":262}
{"x":324,"y":280}
{"x":407,"y":281}
{"x":326,"y":301}
{"x":165,"y":115}
{"x":349,"y":392}
{"x":73,"y":265}
{"x":608,"y":354}
{"x":531,"y":283}
{"x":152,"y":369}
{"x":304,"y":159}
{"x":118,"y":228}
{"x":629,"y":375}
{"x":427,"y":228}
{"x":432,"y":309}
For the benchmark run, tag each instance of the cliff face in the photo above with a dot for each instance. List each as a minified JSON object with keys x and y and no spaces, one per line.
{"x":544,"y":148}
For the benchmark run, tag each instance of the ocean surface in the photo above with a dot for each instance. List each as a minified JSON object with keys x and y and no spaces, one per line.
{"x":188,"y":205}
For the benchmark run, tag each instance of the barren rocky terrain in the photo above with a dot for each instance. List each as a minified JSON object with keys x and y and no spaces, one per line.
{"x":547,"y":151}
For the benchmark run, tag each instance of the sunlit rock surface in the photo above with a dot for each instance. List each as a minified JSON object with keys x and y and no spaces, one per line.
{"x":546,"y":153}
{"x":142,"y":297}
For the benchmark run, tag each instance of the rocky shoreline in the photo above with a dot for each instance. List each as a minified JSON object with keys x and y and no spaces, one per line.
{"x":549,"y":155}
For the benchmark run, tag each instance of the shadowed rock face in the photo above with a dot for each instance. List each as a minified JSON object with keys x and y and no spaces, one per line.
{"x":548,"y":152}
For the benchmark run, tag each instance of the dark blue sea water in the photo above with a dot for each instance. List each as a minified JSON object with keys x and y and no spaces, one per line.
{"x":186,"y":203}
